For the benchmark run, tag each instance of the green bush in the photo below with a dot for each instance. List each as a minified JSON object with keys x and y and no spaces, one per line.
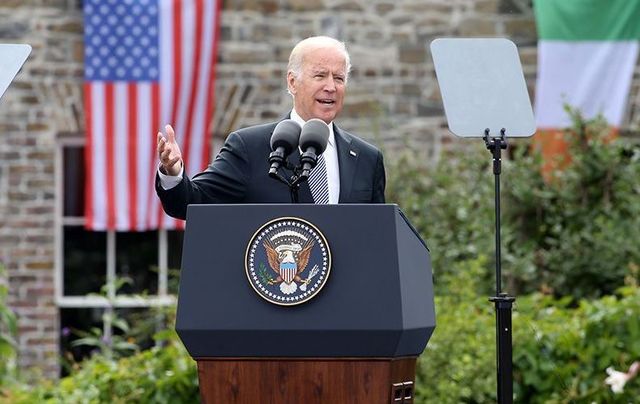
{"x":579,"y":230}
{"x":575,"y":234}
{"x":163,"y":374}
{"x":560,"y":353}
{"x":8,"y":328}
{"x":459,"y":362}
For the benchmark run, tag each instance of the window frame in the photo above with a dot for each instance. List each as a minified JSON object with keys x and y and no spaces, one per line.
{"x":112,"y":300}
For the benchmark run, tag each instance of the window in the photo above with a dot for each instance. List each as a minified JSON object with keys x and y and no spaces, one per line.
{"x":97,"y":273}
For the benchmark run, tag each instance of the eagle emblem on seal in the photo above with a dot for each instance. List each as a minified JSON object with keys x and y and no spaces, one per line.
{"x":288,"y":261}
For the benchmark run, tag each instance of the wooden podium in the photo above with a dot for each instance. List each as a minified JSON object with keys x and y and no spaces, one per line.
{"x":355,"y":341}
{"x":309,"y":381}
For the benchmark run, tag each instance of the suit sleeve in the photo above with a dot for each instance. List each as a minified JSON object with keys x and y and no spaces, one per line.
{"x":224,"y":181}
{"x":379,"y":181}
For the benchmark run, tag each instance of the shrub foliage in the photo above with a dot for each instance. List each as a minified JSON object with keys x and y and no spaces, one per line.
{"x":573,"y":234}
{"x":163,"y":374}
{"x":560,"y":353}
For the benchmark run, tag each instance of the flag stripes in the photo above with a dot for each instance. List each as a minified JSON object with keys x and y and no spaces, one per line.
{"x":587,"y":52}
{"x":147,"y":63}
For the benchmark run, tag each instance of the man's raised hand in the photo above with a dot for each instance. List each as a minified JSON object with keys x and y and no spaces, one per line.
{"x":169,"y":152}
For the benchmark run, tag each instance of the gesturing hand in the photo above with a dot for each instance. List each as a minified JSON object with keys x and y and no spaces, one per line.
{"x":169,"y":152}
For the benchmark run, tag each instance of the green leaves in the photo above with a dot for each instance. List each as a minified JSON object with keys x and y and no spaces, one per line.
{"x":8,"y":330}
{"x":163,"y":374}
{"x":560,"y":351}
{"x":573,"y":234}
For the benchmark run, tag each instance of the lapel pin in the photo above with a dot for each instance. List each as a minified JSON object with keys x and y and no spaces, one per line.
{"x":351,"y":152}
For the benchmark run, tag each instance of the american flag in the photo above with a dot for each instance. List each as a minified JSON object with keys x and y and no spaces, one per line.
{"x":147,"y":63}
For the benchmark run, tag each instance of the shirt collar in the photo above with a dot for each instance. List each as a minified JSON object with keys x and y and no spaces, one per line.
{"x":298,"y":119}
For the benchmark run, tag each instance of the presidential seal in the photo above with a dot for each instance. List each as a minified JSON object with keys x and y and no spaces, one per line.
{"x":288,"y":261}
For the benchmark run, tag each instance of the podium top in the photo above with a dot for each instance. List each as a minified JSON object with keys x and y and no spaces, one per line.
{"x":12,"y":57}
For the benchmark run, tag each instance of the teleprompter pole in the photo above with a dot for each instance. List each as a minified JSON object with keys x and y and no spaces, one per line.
{"x":502,"y":301}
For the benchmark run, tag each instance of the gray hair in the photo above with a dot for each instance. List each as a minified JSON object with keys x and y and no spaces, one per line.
{"x":297,"y":54}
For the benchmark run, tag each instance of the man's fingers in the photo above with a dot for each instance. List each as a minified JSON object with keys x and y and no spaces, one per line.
{"x":171,"y":135}
{"x":166,"y":156}
{"x":169,"y":152}
{"x":173,"y":161}
{"x":161,"y":143}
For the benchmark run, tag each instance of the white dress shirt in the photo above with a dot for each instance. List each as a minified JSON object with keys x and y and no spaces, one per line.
{"x":330,"y":158}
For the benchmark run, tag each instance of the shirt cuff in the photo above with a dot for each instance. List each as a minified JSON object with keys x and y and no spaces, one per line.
{"x":169,"y":181}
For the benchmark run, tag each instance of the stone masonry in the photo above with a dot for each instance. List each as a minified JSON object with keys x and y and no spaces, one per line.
{"x":392,"y":98}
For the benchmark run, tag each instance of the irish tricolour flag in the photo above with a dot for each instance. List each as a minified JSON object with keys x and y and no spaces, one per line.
{"x":587,"y":52}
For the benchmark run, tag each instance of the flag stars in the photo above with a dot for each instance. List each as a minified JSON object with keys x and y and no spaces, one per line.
{"x":122,"y":29}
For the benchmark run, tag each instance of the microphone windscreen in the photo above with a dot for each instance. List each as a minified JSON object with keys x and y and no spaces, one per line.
{"x":285,"y":135}
{"x":315,"y":133}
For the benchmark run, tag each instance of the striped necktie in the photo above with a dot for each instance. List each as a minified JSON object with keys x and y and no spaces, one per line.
{"x":318,"y":183}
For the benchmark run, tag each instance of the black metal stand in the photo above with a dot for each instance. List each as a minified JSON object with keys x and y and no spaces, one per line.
{"x":293,"y":183}
{"x":502,"y":301}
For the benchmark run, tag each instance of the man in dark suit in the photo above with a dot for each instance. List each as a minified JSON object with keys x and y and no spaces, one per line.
{"x":316,"y":78}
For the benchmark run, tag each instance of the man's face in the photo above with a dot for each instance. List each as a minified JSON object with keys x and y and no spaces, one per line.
{"x":319,"y":91}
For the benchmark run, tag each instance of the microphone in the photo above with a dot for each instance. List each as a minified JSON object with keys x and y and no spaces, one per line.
{"x":313,"y":142}
{"x":283,"y":141}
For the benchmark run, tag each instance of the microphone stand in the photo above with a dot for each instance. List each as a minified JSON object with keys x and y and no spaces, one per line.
{"x":502,"y":301}
{"x":308,"y":161}
{"x":293,"y":183}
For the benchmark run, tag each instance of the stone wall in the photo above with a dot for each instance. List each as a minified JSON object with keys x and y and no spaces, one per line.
{"x":392,"y":95}
{"x":392,"y":98}
{"x":44,"y":100}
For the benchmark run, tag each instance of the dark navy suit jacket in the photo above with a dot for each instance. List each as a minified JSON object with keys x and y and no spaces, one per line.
{"x":239,"y":174}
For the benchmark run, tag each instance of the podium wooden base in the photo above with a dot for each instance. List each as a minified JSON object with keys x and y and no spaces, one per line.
{"x":306,"y":380}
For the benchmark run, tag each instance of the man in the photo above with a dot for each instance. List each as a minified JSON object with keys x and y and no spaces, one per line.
{"x":317,"y":77}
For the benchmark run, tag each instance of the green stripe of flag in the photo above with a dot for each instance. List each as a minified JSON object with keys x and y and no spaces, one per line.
{"x":588,"y":20}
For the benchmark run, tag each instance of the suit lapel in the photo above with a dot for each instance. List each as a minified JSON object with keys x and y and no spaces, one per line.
{"x":347,"y":161}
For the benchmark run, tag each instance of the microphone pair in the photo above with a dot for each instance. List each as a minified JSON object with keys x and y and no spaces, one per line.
{"x":312,"y":139}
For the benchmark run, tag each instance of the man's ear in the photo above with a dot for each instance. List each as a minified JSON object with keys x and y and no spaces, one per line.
{"x":291,"y":82}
